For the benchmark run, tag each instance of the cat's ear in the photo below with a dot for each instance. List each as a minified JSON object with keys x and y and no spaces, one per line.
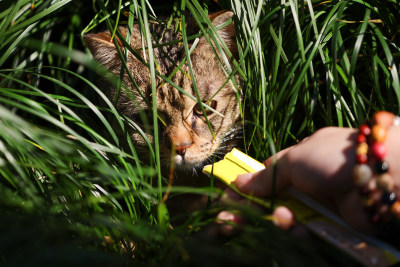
{"x":227,"y":33}
{"x":102,"y":47}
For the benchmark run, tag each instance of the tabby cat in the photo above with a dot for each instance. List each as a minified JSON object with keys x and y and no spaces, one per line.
{"x":185,"y":127}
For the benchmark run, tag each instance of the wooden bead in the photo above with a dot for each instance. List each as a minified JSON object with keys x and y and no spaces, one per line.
{"x":362,"y":173}
{"x":378,"y":150}
{"x":385,"y":182}
{"x":383,"y":118}
{"x":378,"y":133}
{"x":362,"y":149}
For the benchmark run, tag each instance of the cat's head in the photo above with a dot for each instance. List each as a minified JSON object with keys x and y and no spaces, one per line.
{"x":184,"y":130}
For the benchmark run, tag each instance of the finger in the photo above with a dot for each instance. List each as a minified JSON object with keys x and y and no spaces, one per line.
{"x":232,"y":199}
{"x":271,"y":160}
{"x":261,"y":183}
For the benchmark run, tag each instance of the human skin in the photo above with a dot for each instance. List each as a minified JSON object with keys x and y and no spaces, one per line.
{"x":321,"y":166}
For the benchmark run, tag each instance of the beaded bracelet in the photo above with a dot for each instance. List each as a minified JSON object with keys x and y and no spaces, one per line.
{"x":376,"y":185}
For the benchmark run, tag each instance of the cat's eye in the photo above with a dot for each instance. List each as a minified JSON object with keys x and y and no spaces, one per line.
{"x":211,"y":103}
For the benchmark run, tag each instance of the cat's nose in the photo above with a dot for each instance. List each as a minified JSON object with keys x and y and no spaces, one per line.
{"x":181,"y":149}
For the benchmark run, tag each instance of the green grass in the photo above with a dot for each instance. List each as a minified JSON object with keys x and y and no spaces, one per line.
{"x":65,"y":184}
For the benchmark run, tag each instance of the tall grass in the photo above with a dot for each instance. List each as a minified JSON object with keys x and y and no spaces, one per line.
{"x":63,"y":169}
{"x":316,"y":63}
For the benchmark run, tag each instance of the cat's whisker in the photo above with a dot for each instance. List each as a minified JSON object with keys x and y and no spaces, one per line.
{"x":230,"y":139}
{"x":219,"y":153}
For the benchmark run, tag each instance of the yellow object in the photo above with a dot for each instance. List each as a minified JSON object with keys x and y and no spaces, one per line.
{"x":234,"y":163}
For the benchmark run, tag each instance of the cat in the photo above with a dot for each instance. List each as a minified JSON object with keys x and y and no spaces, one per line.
{"x":185,"y":129}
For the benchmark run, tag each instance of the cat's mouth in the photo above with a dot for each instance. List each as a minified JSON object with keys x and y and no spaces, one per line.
{"x":183,"y":164}
{"x":195,"y":157}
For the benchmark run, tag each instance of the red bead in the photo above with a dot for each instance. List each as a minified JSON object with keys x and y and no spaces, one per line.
{"x":365,"y":129}
{"x":361,"y":138}
{"x":378,"y":150}
{"x":362,"y":158}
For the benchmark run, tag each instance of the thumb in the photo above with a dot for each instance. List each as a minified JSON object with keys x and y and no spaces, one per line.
{"x":260,"y":183}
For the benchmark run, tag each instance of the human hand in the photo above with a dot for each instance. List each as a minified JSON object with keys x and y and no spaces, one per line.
{"x":321,"y":166}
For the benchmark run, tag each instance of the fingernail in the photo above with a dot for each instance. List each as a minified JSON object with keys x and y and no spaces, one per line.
{"x":283,"y":217}
{"x":228,"y":222}
{"x":226,"y":216}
